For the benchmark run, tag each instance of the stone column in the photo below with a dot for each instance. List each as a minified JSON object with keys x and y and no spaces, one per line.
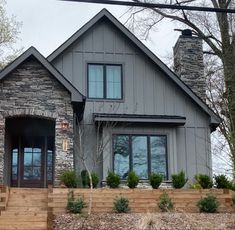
{"x":64,"y":158}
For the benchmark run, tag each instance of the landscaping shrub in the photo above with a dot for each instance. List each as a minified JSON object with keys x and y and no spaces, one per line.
{"x":121,"y":205}
{"x":113,"y":180}
{"x":85,"y":178}
{"x":165,"y":203}
{"x":75,"y":205}
{"x":204,"y":180}
{"x":155,"y":179}
{"x":233,"y":200}
{"x":232,"y":186}
{"x":69,"y":178}
{"x":178,"y":179}
{"x":221,"y":181}
{"x":132,"y":179}
{"x":95,"y":180}
{"x":195,"y":185}
{"x":208,"y":204}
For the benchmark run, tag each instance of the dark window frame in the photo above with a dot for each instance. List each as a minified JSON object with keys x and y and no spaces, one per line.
{"x":105,"y":82}
{"x":148,"y":151}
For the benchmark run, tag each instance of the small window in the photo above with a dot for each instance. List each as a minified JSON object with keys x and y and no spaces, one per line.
{"x":104,"y":81}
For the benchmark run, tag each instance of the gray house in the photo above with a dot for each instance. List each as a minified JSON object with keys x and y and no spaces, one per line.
{"x":102,"y":94}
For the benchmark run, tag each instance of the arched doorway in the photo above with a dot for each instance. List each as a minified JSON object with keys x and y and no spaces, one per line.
{"x":29,"y":148}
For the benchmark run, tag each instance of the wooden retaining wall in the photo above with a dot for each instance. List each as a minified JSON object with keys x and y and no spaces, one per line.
{"x":140,"y":200}
{"x":4,"y":195}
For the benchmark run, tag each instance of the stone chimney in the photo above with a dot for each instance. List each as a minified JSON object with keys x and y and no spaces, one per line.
{"x":188,"y":62}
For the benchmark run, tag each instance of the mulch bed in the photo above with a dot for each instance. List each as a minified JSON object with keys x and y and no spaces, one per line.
{"x":133,"y":221}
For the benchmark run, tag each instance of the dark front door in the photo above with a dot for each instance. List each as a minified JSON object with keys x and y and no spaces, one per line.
{"x":32,"y":161}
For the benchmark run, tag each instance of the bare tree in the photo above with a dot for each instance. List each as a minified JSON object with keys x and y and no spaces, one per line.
{"x":218,"y":33}
{"x":92,"y":160}
{"x":9,"y":31}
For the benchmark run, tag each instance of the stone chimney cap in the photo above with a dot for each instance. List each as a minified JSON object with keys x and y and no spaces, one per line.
{"x":187,"y":32}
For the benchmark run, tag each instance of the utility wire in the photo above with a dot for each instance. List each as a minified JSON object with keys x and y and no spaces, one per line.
{"x":156,"y":5}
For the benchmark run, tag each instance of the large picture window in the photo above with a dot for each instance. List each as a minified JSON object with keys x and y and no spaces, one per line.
{"x":104,"y":81}
{"x":141,"y":153}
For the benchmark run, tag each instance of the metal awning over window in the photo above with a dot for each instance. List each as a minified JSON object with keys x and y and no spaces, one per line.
{"x":133,"y":118}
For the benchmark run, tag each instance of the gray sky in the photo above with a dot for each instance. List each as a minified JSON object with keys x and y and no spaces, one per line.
{"x":48,"y":23}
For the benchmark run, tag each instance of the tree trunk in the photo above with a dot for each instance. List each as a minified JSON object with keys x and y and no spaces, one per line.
{"x":229,"y":77}
{"x":228,"y":59}
{"x":91,"y":192}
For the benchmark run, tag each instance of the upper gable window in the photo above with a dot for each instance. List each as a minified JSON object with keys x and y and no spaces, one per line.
{"x":105,"y":81}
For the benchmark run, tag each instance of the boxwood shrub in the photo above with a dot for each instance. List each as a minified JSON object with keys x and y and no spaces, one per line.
{"x":121,"y":205}
{"x":179,"y":179}
{"x":208,"y":204}
{"x":69,"y":178}
{"x":204,"y":180}
{"x":113,"y":180}
{"x":221,"y":181}
{"x":132,"y":179}
{"x":155,"y":179}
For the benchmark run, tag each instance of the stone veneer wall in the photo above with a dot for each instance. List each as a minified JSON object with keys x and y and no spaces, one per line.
{"x":188,"y":63}
{"x":32,"y":90}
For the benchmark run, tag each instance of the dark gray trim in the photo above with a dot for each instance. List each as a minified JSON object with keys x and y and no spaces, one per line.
{"x":214,"y":119}
{"x":76,"y":96}
{"x":159,"y":119}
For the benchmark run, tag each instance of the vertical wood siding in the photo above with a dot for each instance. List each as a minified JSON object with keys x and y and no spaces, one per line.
{"x":146,"y":91}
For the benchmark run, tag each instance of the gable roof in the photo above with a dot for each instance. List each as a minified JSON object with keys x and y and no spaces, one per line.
{"x":215,"y":120}
{"x":76,"y":96}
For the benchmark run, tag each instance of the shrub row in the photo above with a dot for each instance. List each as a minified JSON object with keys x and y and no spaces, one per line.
{"x":71,"y":180}
{"x":208,"y":204}
{"x":202,"y":181}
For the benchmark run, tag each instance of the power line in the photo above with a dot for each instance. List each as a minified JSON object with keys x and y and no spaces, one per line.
{"x":156,"y":5}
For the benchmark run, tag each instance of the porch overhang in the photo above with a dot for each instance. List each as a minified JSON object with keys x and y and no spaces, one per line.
{"x":133,"y":118}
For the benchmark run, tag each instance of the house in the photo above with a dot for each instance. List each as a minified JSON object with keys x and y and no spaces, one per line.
{"x":105,"y":82}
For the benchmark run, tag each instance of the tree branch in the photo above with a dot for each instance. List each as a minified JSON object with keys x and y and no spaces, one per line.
{"x":198,"y":31}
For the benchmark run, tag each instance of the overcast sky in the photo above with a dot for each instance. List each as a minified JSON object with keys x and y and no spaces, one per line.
{"x":46,"y":24}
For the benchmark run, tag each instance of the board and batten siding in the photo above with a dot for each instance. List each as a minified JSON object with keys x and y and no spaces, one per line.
{"x":146,"y":90}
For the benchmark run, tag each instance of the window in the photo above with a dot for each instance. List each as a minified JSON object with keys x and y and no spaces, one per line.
{"x":104,"y":81}
{"x":140,"y":153}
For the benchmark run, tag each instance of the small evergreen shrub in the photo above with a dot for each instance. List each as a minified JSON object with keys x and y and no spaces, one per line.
{"x":95,"y":180}
{"x":233,"y":200}
{"x":69,"y":178}
{"x":85,"y":178}
{"x":208,"y":204}
{"x":178,"y":179}
{"x":121,"y":205}
{"x":165,"y":203}
{"x":232,"y":186}
{"x":113,"y":180}
{"x":195,"y":186}
{"x":221,"y":181}
{"x":75,"y":205}
{"x":155,"y":179}
{"x":132,"y":179}
{"x":204,"y":180}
